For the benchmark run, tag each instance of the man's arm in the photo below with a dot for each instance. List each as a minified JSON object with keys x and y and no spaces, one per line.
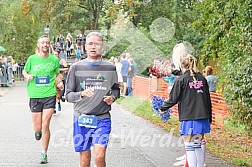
{"x":28,"y":76}
{"x":72,"y":95}
{"x":59,"y":82}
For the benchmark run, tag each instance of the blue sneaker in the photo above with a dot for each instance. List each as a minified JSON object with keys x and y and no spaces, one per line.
{"x":59,"y":107}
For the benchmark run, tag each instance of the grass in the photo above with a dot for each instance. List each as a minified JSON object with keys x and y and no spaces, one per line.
{"x":240,"y":162}
{"x":143,"y":109}
{"x":230,"y":143}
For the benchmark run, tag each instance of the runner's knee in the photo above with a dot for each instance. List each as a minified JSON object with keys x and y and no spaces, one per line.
{"x":85,"y":160}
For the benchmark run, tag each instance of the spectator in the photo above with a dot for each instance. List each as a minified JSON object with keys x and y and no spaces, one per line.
{"x":21,"y":67}
{"x":61,"y":41}
{"x":130,"y":77}
{"x":125,"y":69}
{"x":119,"y":71}
{"x":78,"y":53}
{"x":191,"y":92}
{"x":211,"y":79}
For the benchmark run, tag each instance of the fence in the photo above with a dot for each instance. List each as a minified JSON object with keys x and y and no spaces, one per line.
{"x":6,"y":77}
{"x":145,"y":88}
{"x":17,"y":72}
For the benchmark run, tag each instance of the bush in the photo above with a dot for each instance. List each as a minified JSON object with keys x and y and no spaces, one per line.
{"x":227,"y":31}
{"x":238,"y":90}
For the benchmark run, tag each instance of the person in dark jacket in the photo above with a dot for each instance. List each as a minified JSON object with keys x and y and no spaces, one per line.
{"x":191,"y":92}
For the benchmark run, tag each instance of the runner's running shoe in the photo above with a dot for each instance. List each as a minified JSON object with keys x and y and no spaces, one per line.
{"x":38,"y":135}
{"x":43,"y":158}
{"x":59,"y":107}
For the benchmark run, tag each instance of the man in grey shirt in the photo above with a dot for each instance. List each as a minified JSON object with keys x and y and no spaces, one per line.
{"x":92,"y":86}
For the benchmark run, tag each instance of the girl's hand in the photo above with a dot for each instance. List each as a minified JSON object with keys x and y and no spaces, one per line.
{"x":162,"y":112}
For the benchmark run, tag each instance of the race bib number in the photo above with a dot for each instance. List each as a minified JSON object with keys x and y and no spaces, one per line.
{"x":89,"y":121}
{"x":42,"y":81}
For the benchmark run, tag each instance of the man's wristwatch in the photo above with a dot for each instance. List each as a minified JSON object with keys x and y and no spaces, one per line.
{"x":81,"y":95}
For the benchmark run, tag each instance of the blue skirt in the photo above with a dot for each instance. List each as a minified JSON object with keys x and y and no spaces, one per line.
{"x":194,"y":127}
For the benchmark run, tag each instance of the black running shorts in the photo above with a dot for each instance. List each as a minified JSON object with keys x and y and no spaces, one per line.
{"x":38,"y":104}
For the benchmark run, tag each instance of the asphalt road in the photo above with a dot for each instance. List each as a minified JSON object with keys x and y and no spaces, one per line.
{"x":134,"y":142}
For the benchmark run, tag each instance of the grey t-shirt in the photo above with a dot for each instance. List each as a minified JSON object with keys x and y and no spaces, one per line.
{"x":212,"y":81}
{"x":102,"y":77}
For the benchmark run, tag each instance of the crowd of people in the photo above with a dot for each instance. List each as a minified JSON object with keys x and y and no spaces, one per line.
{"x":9,"y":70}
{"x":126,"y":69}
{"x":69,"y":47}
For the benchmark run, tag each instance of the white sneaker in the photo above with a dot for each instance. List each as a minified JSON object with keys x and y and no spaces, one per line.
{"x":180,"y":163}
{"x":183,"y":157}
{"x":205,"y":165}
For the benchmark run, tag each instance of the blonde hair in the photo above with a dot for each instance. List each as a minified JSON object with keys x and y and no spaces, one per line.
{"x":179,"y":53}
{"x":189,"y":63}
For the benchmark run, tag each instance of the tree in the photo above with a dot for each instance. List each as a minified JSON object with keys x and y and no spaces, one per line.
{"x":94,"y":9}
{"x":227,"y":28}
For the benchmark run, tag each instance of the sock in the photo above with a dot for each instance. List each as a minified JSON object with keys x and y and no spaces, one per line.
{"x":199,"y":153}
{"x":190,"y":154}
{"x":44,"y":151}
{"x":203,"y":147}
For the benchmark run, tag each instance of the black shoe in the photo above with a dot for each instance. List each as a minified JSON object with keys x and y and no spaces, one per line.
{"x":63,"y":99}
{"x":38,"y":135}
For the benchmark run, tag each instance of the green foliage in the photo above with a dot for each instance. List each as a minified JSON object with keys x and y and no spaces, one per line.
{"x":240,"y":162}
{"x":238,"y":90}
{"x":19,"y":35}
{"x":229,"y":124}
{"x":178,"y":11}
{"x":143,"y":15}
{"x":227,"y":30}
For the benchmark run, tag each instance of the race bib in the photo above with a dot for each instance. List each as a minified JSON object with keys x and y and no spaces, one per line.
{"x":89,"y":121}
{"x":42,"y":81}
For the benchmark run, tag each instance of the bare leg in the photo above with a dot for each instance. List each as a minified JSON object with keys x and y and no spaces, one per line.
{"x":85,"y":158}
{"x":37,"y":121}
{"x":46,"y":118}
{"x":100,"y":152}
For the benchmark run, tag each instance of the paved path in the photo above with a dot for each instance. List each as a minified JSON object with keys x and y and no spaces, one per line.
{"x":134,"y":142}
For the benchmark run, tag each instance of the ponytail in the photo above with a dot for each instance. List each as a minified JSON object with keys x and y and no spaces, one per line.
{"x":190,"y":63}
